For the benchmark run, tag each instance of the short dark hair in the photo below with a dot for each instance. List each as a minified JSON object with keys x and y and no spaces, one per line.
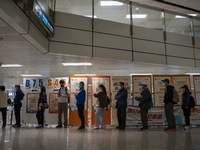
{"x":121,"y":83}
{"x":3,"y":88}
{"x":62,"y":81}
{"x":17,"y":86}
{"x":82,"y":83}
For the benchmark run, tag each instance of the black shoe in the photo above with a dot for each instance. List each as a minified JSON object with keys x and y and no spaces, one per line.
{"x":59,"y":126}
{"x":16,"y":126}
{"x":142,"y":129}
{"x":3,"y":127}
{"x":117,"y":127}
{"x":121,"y":128}
{"x":81,"y":127}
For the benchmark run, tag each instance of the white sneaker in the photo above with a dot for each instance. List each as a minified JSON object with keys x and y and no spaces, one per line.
{"x":102,"y":127}
{"x":96,"y":128}
{"x":186,"y":127}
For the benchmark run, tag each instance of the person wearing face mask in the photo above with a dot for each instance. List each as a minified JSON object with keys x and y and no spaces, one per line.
{"x":80,"y":100}
{"x":121,"y":106}
{"x":144,"y":104}
{"x":63,"y":100}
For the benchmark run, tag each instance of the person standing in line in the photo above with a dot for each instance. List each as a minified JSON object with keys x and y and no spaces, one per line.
{"x":17,"y":105}
{"x":186,"y":105}
{"x":169,"y":106}
{"x":41,"y":101}
{"x":3,"y":104}
{"x":63,"y":100}
{"x":145,"y":105}
{"x":80,"y":100}
{"x":101,"y":96}
{"x":121,"y":106}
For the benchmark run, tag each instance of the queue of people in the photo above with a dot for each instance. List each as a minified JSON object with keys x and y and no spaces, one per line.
{"x":102,"y":102}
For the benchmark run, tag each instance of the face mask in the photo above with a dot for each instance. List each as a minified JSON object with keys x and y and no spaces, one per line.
{"x":62,"y":85}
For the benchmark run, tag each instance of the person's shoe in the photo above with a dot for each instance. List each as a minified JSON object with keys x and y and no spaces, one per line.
{"x":3,"y":127}
{"x":96,"y":128}
{"x":170,"y":130}
{"x":39,"y":127}
{"x":186,"y":128}
{"x":121,"y":128}
{"x":102,"y":127}
{"x":117,"y":127}
{"x":16,"y":126}
{"x":81,"y":127}
{"x":142,"y":129}
{"x":59,"y":126}
{"x":65,"y":126}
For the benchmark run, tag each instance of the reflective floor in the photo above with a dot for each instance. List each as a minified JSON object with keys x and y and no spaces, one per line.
{"x":89,"y":139}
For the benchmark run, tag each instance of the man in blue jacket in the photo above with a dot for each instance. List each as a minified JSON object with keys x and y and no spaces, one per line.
{"x":121,"y":105}
{"x":80,"y":100}
{"x":17,"y":105}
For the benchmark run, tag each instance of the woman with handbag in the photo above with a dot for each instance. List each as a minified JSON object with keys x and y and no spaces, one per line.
{"x":42,"y":105}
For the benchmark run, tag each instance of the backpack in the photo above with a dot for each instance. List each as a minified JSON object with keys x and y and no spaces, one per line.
{"x":108,"y":101}
{"x":175,"y":96}
{"x":192,"y":102}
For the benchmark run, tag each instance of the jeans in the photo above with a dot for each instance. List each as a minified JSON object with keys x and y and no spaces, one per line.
{"x":17,"y":109}
{"x":144,"y":118}
{"x":81,"y":114}
{"x":40,"y":117}
{"x":4,"y":114}
{"x":169,"y":113}
{"x":62,"y":108}
{"x":121,"y":116}
{"x":99,"y":115}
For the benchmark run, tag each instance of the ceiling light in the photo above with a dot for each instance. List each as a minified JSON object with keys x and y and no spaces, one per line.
{"x":177,"y":16}
{"x":78,"y":64}
{"x":84,"y":74}
{"x":137,"y":16}
{"x":192,"y":15}
{"x":90,"y":16}
{"x":110,"y":3}
{"x":11,"y":65}
{"x":31,"y":75}
{"x":193,"y":73}
{"x":132,"y":74}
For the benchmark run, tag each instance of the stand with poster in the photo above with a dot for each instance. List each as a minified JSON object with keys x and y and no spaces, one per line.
{"x":196,"y":80}
{"x":74,"y":89}
{"x":96,"y":80}
{"x":32,"y":102}
{"x":53,"y":102}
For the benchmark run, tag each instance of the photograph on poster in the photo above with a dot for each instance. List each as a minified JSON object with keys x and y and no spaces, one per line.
{"x":53,"y":102}
{"x":32,"y":102}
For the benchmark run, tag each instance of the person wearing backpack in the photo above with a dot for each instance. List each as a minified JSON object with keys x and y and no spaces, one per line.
{"x":63,"y":100}
{"x":101,"y":103}
{"x":169,"y":106}
{"x":186,"y":105}
{"x":17,"y":105}
{"x":145,"y":104}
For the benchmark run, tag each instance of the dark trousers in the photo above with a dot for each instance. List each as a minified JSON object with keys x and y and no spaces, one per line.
{"x":144,"y":117}
{"x":4,"y":114}
{"x":40,"y":117}
{"x":187,"y":113}
{"x":121,"y":116}
{"x":169,"y":113}
{"x":81,"y":114}
{"x":17,"y":109}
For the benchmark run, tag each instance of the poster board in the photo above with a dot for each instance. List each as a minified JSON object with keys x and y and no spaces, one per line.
{"x":136,"y":81}
{"x":96,"y":80}
{"x":196,"y":80}
{"x":53,"y":102}
{"x":115,"y":88}
{"x":74,"y":89}
{"x":32,"y":102}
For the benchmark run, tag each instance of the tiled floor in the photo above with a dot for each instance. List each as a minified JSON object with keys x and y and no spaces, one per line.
{"x":89,"y":139}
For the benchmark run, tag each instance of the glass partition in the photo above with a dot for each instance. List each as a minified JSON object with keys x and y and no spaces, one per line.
{"x":177,"y":24}
{"x":112,"y":11}
{"x":196,"y":27}
{"x":147,"y":18}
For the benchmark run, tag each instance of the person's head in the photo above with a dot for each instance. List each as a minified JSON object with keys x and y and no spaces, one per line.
{"x":42,"y":89}
{"x":166,"y":82}
{"x":17,"y":87}
{"x":121,"y":84}
{"x":62,"y":83}
{"x":2,"y":88}
{"x":102,"y":87}
{"x":81,"y":84}
{"x":143,"y":85}
{"x":184,"y":88}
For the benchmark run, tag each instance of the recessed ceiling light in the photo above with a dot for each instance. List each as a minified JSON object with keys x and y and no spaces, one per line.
{"x":31,"y":75}
{"x":132,"y":74}
{"x":84,"y":74}
{"x":193,"y":73}
{"x":192,"y":15}
{"x":110,"y":3}
{"x":11,"y":65}
{"x":177,"y":16}
{"x":137,"y":16}
{"x":78,"y":64}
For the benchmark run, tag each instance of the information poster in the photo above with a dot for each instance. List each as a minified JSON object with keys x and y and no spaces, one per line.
{"x":32,"y":102}
{"x":197,"y":88}
{"x":53,"y":102}
{"x":115,"y":88}
{"x":178,"y":82}
{"x":96,"y":81}
{"x":159,"y":89}
{"x":137,"y":89}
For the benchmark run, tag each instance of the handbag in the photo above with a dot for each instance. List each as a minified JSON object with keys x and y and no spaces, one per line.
{"x":45,"y":106}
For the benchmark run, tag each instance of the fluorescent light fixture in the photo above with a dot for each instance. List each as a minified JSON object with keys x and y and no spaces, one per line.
{"x":192,"y":15}
{"x":11,"y":65}
{"x":84,"y":74}
{"x":90,"y":16}
{"x":132,"y":74}
{"x":110,"y":3}
{"x":193,"y":73}
{"x":137,"y":16}
{"x":78,"y":64}
{"x":177,"y":16}
{"x":31,"y":75}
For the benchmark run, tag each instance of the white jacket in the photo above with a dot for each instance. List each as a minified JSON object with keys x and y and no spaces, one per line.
{"x":3,"y":99}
